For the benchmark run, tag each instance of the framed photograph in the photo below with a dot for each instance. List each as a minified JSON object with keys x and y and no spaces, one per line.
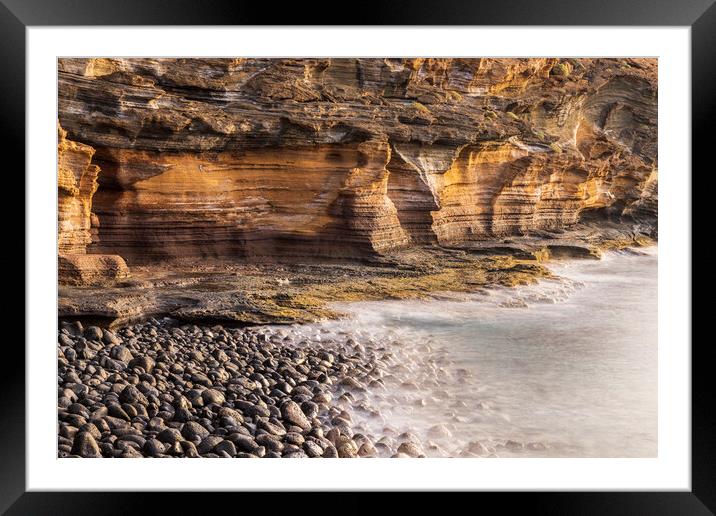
{"x":436,"y":234}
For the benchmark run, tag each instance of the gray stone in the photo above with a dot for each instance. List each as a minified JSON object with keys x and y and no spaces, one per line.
{"x":251,"y":410}
{"x":226,"y":446}
{"x":212,"y":396}
{"x":130,"y":394}
{"x":352,"y":383}
{"x":243,"y":442}
{"x":439,"y":431}
{"x":153,"y":448}
{"x":298,"y":454}
{"x":85,"y":445}
{"x":131,"y":453}
{"x":92,"y":429}
{"x":145,"y":362}
{"x":270,"y":427}
{"x":294,"y":438}
{"x":292,"y":413}
{"x":121,"y":353}
{"x":192,"y":430}
{"x":367,"y":450}
{"x":170,"y":436}
{"x":220,"y":356}
{"x":347,"y":449}
{"x":132,"y":438}
{"x":189,"y":449}
{"x":312,"y":449}
{"x":310,"y":409}
{"x":330,"y":452}
{"x":208,"y":443}
{"x":410,"y":449}
{"x":270,"y":442}
{"x":109,"y":338}
{"x":73,"y":328}
{"x":116,"y":410}
{"x":93,"y":333}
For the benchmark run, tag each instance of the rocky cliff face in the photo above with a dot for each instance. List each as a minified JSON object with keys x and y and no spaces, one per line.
{"x":76,"y":185}
{"x":346,"y":158}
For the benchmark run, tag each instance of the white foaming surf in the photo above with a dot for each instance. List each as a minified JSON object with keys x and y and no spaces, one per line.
{"x":566,"y":367}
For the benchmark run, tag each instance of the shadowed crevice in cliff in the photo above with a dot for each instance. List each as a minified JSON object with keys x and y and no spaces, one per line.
{"x":413,"y":191}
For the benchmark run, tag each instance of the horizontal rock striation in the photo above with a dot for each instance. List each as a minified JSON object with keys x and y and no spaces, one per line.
{"x":348,"y":158}
{"x":91,"y":269}
{"x":76,"y":185}
{"x":296,"y":201}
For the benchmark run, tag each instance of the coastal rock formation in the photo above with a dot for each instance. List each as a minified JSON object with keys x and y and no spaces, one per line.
{"x":76,"y":185}
{"x":346,"y":158}
{"x":251,"y":193}
{"x":91,"y":269}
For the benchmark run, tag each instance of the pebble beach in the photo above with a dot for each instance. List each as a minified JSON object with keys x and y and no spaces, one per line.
{"x":159,"y":389}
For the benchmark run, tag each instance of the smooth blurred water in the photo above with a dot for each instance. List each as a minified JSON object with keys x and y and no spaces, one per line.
{"x":565,"y":368}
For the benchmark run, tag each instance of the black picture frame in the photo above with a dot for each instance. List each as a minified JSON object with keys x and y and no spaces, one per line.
{"x":17,"y":15}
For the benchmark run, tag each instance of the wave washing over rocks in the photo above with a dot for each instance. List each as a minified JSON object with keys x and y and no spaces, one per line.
{"x":424,"y":394}
{"x":394,"y":379}
{"x":157,"y":389}
{"x":563,"y":368}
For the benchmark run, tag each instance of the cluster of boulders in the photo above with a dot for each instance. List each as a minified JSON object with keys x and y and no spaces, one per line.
{"x":160,"y":389}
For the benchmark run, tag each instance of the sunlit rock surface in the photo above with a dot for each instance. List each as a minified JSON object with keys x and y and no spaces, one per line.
{"x":76,"y":185}
{"x":345,"y":158}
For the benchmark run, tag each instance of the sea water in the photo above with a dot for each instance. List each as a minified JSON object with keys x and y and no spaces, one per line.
{"x":563,"y":368}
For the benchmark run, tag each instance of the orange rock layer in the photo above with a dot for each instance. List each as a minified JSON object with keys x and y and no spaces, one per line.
{"x":76,"y":185}
{"x":91,"y":269}
{"x":345,"y":158}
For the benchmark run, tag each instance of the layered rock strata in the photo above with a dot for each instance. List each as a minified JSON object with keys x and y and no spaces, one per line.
{"x":244,"y":293}
{"x":76,"y":185}
{"x":91,"y":269}
{"x":353,"y":158}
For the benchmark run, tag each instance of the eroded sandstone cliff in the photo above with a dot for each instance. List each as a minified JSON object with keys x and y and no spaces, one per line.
{"x":344,"y":158}
{"x":76,"y":185}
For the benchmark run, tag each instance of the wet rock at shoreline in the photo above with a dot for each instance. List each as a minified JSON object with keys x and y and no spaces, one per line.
{"x":160,"y":389}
